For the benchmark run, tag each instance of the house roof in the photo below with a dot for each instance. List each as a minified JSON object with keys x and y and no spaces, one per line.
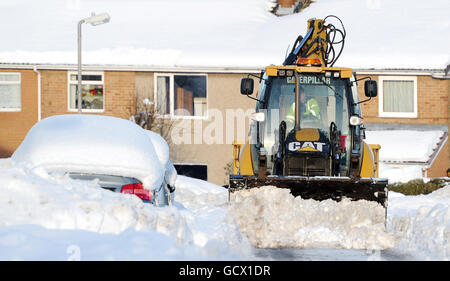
{"x":408,"y":146}
{"x":402,"y":34}
{"x":199,"y":69}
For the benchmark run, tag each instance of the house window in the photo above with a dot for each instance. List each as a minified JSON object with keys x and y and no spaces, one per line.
{"x":92,"y":94}
{"x":181,"y":94}
{"x":193,"y":171}
{"x":10,"y":99}
{"x":398,"y":96}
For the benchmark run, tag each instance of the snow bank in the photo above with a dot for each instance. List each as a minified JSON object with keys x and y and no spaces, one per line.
{"x":34,"y":242}
{"x":271,"y":217}
{"x":195,"y":192}
{"x":53,"y":217}
{"x":209,"y":203}
{"x":59,"y":202}
{"x":422,"y":223}
{"x":93,"y":144}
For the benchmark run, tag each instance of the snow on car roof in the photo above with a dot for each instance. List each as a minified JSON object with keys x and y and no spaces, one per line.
{"x":401,"y":34}
{"x":92,"y":144}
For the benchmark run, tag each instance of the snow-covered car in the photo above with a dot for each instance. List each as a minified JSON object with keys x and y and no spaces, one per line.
{"x":117,"y":153}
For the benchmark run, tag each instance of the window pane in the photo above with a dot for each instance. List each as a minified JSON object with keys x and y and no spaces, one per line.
{"x":190,"y":95}
{"x":85,"y":77}
{"x":398,"y":96}
{"x":163,"y":94}
{"x":91,"y":77}
{"x":193,"y":171}
{"x":10,"y":77}
{"x":10,"y":96}
{"x":92,"y":96}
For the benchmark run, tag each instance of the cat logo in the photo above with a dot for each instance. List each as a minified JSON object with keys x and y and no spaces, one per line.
{"x":306,"y":146}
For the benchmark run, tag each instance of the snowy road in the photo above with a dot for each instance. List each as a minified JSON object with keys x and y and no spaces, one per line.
{"x":293,"y":254}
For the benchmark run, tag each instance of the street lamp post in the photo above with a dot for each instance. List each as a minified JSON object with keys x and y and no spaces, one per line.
{"x":93,"y":20}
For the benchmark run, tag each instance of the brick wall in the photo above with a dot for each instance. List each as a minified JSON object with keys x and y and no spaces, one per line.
{"x":119,"y":93}
{"x":15,"y":125}
{"x":440,"y":165}
{"x":432,"y":100}
{"x":53,"y":93}
{"x":286,"y":3}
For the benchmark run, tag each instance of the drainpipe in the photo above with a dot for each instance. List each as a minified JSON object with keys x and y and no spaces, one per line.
{"x":39,"y":91}
{"x":425,"y":171}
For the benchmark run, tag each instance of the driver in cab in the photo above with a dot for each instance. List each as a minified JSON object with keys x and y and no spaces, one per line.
{"x":309,"y":109}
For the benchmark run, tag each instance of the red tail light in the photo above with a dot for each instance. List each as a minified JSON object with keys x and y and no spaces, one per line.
{"x":136,"y":189}
{"x":343,"y":139}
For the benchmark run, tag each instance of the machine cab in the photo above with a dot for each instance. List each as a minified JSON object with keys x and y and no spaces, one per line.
{"x":321,"y":135}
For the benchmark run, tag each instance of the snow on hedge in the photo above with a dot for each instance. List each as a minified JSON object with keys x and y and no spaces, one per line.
{"x":93,"y":144}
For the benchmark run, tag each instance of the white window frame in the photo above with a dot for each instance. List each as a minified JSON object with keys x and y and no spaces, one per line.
{"x":381,"y":112}
{"x":172,"y":95}
{"x":20,"y":90}
{"x":102,"y":82}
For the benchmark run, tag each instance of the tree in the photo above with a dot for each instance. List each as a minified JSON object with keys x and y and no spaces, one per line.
{"x":147,"y":117}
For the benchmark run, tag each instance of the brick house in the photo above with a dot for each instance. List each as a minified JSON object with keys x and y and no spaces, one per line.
{"x":39,"y":91}
{"x":427,"y":95}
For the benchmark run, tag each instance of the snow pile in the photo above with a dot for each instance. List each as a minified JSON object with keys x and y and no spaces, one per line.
{"x":195,"y":192}
{"x":422,"y":223}
{"x":271,"y":217}
{"x":34,"y":242}
{"x":394,"y":148}
{"x":210,"y":217}
{"x":59,"y":202}
{"x":93,"y":144}
{"x":53,"y":217}
{"x":48,"y":217}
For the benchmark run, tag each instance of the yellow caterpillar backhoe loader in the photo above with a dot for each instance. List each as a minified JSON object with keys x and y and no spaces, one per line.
{"x":307,"y":133}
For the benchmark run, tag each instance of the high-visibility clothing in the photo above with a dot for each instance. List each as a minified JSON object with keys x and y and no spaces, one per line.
{"x":311,"y":108}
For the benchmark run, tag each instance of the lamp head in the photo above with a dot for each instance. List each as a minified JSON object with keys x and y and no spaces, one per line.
{"x":98,"y":19}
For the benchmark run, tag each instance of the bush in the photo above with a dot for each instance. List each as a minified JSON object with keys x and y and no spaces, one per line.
{"x":417,"y":186}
